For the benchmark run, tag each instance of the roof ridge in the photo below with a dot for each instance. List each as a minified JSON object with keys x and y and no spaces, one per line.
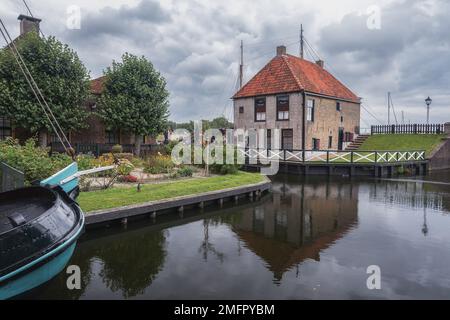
{"x":328,"y":72}
{"x":301,"y":87}
{"x":287,"y":73}
{"x":254,"y":76}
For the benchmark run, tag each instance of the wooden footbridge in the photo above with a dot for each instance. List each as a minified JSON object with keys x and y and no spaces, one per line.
{"x":376,"y":163}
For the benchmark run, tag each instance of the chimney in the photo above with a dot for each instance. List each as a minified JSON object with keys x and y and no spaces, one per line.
{"x":28,"y":24}
{"x":320,"y":63}
{"x":281,"y":50}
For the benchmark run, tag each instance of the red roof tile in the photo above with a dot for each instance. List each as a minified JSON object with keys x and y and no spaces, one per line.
{"x":97,"y":85}
{"x":287,"y":73}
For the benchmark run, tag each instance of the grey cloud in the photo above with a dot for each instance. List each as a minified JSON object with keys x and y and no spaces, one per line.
{"x":408,"y":56}
{"x":124,"y":21}
{"x":195,"y":45}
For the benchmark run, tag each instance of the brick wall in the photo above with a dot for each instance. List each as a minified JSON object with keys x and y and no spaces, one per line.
{"x":327,"y":119}
{"x":246,"y":120}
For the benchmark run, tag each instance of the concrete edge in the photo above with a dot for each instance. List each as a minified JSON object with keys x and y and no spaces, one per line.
{"x":106,"y":215}
{"x":438,"y":148}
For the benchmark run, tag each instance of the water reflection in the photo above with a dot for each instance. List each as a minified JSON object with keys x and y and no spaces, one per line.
{"x":298,"y":223}
{"x":308,"y":238}
{"x":409,"y":194}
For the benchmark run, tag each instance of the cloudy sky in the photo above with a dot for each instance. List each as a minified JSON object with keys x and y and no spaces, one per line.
{"x":372,"y":46}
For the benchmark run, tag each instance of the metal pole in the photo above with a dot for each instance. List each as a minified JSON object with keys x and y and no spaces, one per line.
{"x":389,"y":108}
{"x":428,"y":113}
{"x":301,"y":41}
{"x":241,"y":65}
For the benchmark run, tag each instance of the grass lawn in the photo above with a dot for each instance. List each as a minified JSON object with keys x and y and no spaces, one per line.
{"x":402,"y":142}
{"x":123,"y":196}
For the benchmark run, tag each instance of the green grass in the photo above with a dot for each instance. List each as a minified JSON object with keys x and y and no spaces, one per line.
{"x":123,"y":196}
{"x":402,"y":142}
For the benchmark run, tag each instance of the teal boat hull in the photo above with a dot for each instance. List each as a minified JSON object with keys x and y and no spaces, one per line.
{"x":39,"y":229}
{"x":38,"y":276}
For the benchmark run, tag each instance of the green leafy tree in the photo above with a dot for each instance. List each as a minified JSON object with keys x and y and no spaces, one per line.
{"x":58,"y":72}
{"x":220,"y":123}
{"x":135,"y":98}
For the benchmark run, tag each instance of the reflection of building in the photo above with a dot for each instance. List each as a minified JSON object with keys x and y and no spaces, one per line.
{"x":299,"y":223}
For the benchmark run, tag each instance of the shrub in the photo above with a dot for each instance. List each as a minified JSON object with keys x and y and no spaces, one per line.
{"x":124,"y":167}
{"x":224,"y":168}
{"x":85,"y":161}
{"x":124,"y":155}
{"x":185,"y":172}
{"x":137,"y":162}
{"x":33,"y":161}
{"x":104,"y":160}
{"x":169,"y":146}
{"x":117,"y":148}
{"x":159,"y":164}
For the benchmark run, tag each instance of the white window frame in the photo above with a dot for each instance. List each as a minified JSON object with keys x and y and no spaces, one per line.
{"x":283,"y":115}
{"x":260,"y":116}
{"x":310,"y":110}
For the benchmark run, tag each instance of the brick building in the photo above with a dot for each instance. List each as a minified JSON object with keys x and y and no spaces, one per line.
{"x":312,"y":108}
{"x":95,"y":133}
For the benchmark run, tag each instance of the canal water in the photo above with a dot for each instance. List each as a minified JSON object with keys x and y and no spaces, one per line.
{"x":309,"y":238}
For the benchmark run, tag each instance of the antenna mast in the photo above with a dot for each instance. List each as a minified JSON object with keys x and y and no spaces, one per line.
{"x":301,"y":41}
{"x":241,"y":65}
{"x":389,"y":107}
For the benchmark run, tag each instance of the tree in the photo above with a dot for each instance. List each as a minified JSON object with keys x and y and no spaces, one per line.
{"x":135,"y":98}
{"x":220,"y":123}
{"x":58,"y":72}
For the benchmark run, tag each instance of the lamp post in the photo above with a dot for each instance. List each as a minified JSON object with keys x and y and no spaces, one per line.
{"x":428,"y":102}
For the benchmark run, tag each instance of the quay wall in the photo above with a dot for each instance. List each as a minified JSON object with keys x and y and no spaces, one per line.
{"x":440,"y":158}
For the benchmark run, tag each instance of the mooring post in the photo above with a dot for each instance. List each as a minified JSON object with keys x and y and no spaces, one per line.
{"x":381,"y":173}
{"x":221,"y":202}
{"x":236,"y":199}
{"x":153,"y":215}
{"x":201,"y":205}
{"x":124,"y":221}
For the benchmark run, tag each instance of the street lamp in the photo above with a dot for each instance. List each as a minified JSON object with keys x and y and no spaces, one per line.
{"x":428,"y":102}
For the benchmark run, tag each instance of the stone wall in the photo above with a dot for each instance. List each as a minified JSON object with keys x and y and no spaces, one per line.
{"x":440,"y":158}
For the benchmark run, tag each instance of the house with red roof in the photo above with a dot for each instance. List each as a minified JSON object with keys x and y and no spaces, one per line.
{"x":312,"y":109}
{"x":96,"y":137}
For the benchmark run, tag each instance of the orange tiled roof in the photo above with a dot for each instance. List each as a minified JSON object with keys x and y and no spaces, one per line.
{"x":97,"y":85}
{"x":287,"y":73}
